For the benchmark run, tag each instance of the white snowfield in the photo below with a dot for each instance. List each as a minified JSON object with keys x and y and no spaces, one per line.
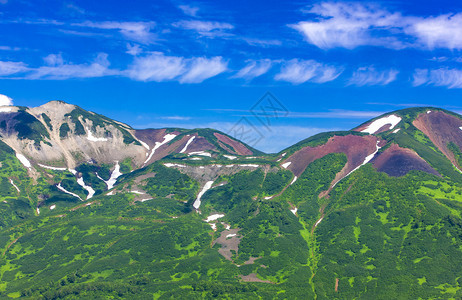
{"x":195,"y":158}
{"x":38,"y":211}
{"x":202,"y":153}
{"x":137,"y":192}
{"x":396,"y":130}
{"x":460,"y":127}
{"x":169,"y":165}
{"x":230,"y":157}
{"x":319,"y":221}
{"x":294,"y":211}
{"x":429,"y":111}
{"x":24,"y":160}
{"x":293,"y":180}
{"x":15,"y":186}
{"x":167,"y":138}
{"x":52,"y":168}
{"x":231,"y":235}
{"x":214,"y":217}
{"x":144,"y":145}
{"x":89,"y":189}
{"x":5,"y":109}
{"x":114,"y":175}
{"x":206,"y":187}
{"x":249,"y":165}
{"x":187,"y":144}
{"x":285,"y":165}
{"x":53,"y":207}
{"x":269,"y":197}
{"x":93,"y":138}
{"x":67,"y":192}
{"x":393,"y":120}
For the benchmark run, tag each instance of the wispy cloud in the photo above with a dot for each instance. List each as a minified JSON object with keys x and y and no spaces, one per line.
{"x":57,"y":69}
{"x":135,"y":31}
{"x":451,"y":78}
{"x":202,"y":68}
{"x":159,"y":67}
{"x":300,"y":71}
{"x":189,"y":10}
{"x":10,"y":67}
{"x":261,"y":42}
{"x":354,"y":24}
{"x":349,"y":25}
{"x":370,"y":76}
{"x":206,"y":28}
{"x":254,"y":68}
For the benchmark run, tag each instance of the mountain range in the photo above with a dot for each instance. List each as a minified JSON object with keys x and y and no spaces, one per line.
{"x":93,"y":208}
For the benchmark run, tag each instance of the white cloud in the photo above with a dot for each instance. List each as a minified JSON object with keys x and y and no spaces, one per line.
{"x":159,"y":67}
{"x":204,"y":68}
{"x":300,"y":71}
{"x":5,"y":100}
{"x":205,"y":28}
{"x":156,"y":67}
{"x":254,"y":68}
{"x":350,"y":25}
{"x":10,"y":67}
{"x":442,"y":31}
{"x":189,"y":10}
{"x":451,"y":78}
{"x":261,"y":42}
{"x":371,"y":76}
{"x":136,"y":31}
{"x":134,"y":50}
{"x":58,"y":70}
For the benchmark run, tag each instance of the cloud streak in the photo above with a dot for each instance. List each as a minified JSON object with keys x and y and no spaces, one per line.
{"x":370,"y":76}
{"x":299,"y":71}
{"x":353,"y":24}
{"x":451,"y":78}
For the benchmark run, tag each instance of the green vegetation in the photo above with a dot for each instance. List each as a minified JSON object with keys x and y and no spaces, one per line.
{"x":64,"y":130}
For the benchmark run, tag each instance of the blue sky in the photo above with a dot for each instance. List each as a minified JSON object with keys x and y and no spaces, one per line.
{"x":331,"y":64}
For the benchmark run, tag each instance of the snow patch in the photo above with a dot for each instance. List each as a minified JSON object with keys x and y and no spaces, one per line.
{"x":38,"y":211}
{"x":195,"y":158}
{"x":214,"y":217}
{"x":67,"y":192}
{"x":24,"y":160}
{"x":144,"y":145}
{"x":393,"y":120}
{"x":250,"y":157}
{"x":114,"y":175}
{"x":93,"y":138}
{"x":53,"y":207}
{"x":187,"y":144}
{"x":285,"y":165}
{"x":230,"y":157}
{"x":249,"y":165}
{"x":396,"y":130}
{"x":206,"y":187}
{"x":269,"y":197}
{"x":293,"y":180}
{"x":15,"y":186}
{"x":203,"y":153}
{"x":460,"y":128}
{"x":5,"y":109}
{"x":319,"y":221}
{"x":110,"y":193}
{"x":294,"y":211}
{"x":89,"y":189}
{"x":429,"y":111}
{"x":137,"y":192}
{"x":74,"y":172}
{"x":167,"y":138}
{"x":169,"y":165}
{"x":52,"y":168}
{"x":231,"y":235}
{"x":146,"y":199}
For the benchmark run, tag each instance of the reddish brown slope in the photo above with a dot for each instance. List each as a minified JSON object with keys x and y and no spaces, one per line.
{"x":397,"y":161}
{"x":238,"y":147}
{"x":441,"y":128}
{"x":356,"y":148}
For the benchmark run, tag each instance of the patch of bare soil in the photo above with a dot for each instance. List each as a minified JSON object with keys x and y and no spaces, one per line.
{"x":397,"y":161}
{"x":252,"y":277}
{"x":229,"y":241}
{"x":251,"y":260}
{"x":441,"y":129}
{"x":238,"y":147}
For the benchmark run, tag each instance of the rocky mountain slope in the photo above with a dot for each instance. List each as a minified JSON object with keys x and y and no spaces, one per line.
{"x":94,"y":208}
